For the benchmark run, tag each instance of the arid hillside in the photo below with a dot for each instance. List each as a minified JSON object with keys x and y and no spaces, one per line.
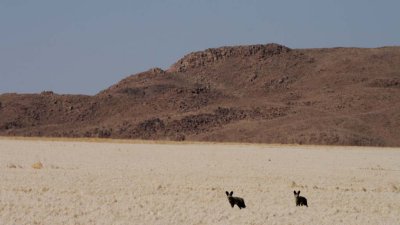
{"x":258,"y":93}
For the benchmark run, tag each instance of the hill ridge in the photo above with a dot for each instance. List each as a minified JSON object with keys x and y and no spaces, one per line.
{"x":212,"y":55}
{"x":257,"y":93}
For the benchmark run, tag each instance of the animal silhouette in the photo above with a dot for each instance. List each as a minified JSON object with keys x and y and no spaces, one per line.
{"x":300,"y":200}
{"x":235,"y":200}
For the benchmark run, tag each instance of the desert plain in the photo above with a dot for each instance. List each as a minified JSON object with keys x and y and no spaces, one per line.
{"x":127,"y":182}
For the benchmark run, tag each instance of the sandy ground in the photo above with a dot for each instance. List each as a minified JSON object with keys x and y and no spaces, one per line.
{"x":128,"y":183}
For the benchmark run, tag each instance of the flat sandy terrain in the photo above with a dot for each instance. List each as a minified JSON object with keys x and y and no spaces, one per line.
{"x":136,"y":183}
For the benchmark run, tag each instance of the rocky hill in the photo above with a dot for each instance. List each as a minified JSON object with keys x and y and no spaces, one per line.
{"x":258,"y":93}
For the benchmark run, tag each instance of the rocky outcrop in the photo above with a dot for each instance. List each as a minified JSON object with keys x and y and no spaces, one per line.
{"x":212,"y":55}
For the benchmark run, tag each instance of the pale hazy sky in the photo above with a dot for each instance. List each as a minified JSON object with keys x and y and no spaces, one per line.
{"x":84,"y":46}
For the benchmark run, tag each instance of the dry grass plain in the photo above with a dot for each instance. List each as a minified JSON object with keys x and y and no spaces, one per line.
{"x":150,"y":183}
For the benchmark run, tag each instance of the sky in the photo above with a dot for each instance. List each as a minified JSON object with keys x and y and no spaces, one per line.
{"x":85,"y":46}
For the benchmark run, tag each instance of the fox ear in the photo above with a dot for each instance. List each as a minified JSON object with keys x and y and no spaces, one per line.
{"x":298,"y":192}
{"x":227,"y":193}
{"x":294,"y":192}
{"x":231,"y":193}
